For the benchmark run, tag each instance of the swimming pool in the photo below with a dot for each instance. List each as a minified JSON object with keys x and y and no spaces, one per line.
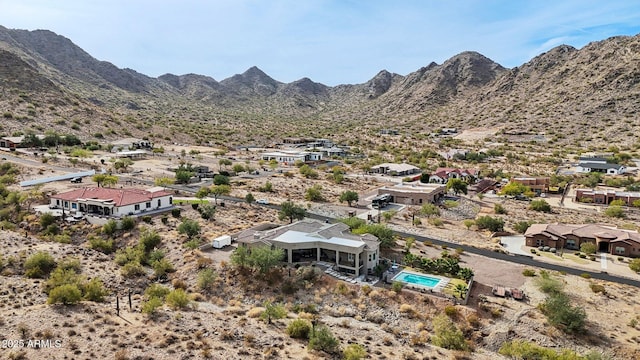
{"x":417,"y":279}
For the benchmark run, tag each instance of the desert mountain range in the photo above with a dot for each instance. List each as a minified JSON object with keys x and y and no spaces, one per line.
{"x":582,"y":96}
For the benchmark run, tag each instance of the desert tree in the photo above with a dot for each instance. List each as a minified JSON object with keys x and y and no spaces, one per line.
{"x":457,"y":186}
{"x":349,"y":196}
{"x":291,"y":211}
{"x":219,"y":190}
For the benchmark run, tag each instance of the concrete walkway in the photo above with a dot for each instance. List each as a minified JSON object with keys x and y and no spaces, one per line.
{"x":603,"y":261}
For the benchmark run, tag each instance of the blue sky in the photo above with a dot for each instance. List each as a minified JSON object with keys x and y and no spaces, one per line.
{"x":329,"y":41}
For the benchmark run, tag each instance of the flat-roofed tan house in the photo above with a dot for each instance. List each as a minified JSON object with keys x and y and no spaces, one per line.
{"x":414,"y":193}
{"x":395,"y":169}
{"x":538,"y":185}
{"x":311,"y":240}
{"x":570,"y":236}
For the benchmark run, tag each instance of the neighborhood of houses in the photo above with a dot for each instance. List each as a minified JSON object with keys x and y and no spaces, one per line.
{"x":314,"y":241}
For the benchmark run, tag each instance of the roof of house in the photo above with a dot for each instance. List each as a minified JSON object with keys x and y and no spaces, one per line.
{"x":443,"y":172}
{"x":308,"y":230}
{"x":397,"y":167}
{"x":604,"y":166}
{"x":414,"y":187}
{"x":120,"y":197}
{"x":591,"y":231}
{"x":128,"y":141}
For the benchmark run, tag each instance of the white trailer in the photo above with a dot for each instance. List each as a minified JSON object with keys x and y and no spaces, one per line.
{"x":220,"y":242}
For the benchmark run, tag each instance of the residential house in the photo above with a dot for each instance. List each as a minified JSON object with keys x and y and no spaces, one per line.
{"x":130,"y":144}
{"x":570,"y":236}
{"x":11,"y":142}
{"x":112,"y":202}
{"x":538,"y":185}
{"x":606,"y":196}
{"x":14,"y":142}
{"x":312,"y":240}
{"x":442,"y":175}
{"x":414,"y":193}
{"x":290,"y":156}
{"x":395,"y":169}
{"x":597,"y":164}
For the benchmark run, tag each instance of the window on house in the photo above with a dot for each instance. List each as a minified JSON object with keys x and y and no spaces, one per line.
{"x":350,"y":257}
{"x":148,"y":205}
{"x":74,"y":205}
{"x":57,"y":202}
{"x":539,"y":242}
{"x":136,"y":206}
{"x":159,"y":203}
{"x":170,"y":200}
{"x":66,"y":204}
{"x":571,"y":244}
{"x":619,"y":250}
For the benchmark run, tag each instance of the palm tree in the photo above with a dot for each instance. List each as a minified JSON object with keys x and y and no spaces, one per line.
{"x":461,"y":290}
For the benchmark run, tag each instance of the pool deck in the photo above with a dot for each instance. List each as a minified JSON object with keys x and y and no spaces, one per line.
{"x":438,"y":288}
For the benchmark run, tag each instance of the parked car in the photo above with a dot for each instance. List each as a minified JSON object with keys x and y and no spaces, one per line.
{"x":76,"y":180}
{"x":262,"y":201}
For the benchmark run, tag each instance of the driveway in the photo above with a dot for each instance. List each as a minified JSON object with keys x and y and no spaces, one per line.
{"x":514,"y":244}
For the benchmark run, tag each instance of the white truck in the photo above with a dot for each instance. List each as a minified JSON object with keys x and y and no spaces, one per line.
{"x":221,"y":241}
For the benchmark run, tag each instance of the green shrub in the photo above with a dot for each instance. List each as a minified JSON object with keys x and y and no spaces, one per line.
{"x":149,"y":239}
{"x":447,"y":335}
{"x":157,"y":291}
{"x":62,"y":238}
{"x":273,"y":311}
{"x":151,"y":306}
{"x":299,"y":329}
{"x":561,"y":314}
{"x":132,"y":269}
{"x":66,"y":294}
{"x":499,"y":209}
{"x":99,"y":244}
{"x":585,"y":276}
{"x":110,"y":227}
{"x":634,"y":265}
{"x":520,"y":349}
{"x":46,"y":219}
{"x":588,"y":247}
{"x":192,"y":244}
{"x":323,"y":339}
{"x":175,"y":212}
{"x":128,"y":223}
{"x":397,"y":286}
{"x":94,"y":290}
{"x":490,"y":223}
{"x":130,"y":254}
{"x":540,"y":205}
{"x":529,"y":272}
{"x":206,"y":279}
{"x":354,"y":352}
{"x":39,"y":265}
{"x":162,"y":267}
{"x":52,"y":229}
{"x":548,"y":284}
{"x":615,"y":211}
{"x":61,"y":276}
{"x":597,"y":288}
{"x":177,"y":299}
{"x":147,"y":219}
{"x":522,"y":226}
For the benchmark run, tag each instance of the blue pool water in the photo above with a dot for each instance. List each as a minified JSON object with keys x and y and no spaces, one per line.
{"x":417,"y":279}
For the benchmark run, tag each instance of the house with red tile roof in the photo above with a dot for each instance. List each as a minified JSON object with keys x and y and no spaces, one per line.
{"x":607,"y":238}
{"x":442,"y":175}
{"x":103,"y":201}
